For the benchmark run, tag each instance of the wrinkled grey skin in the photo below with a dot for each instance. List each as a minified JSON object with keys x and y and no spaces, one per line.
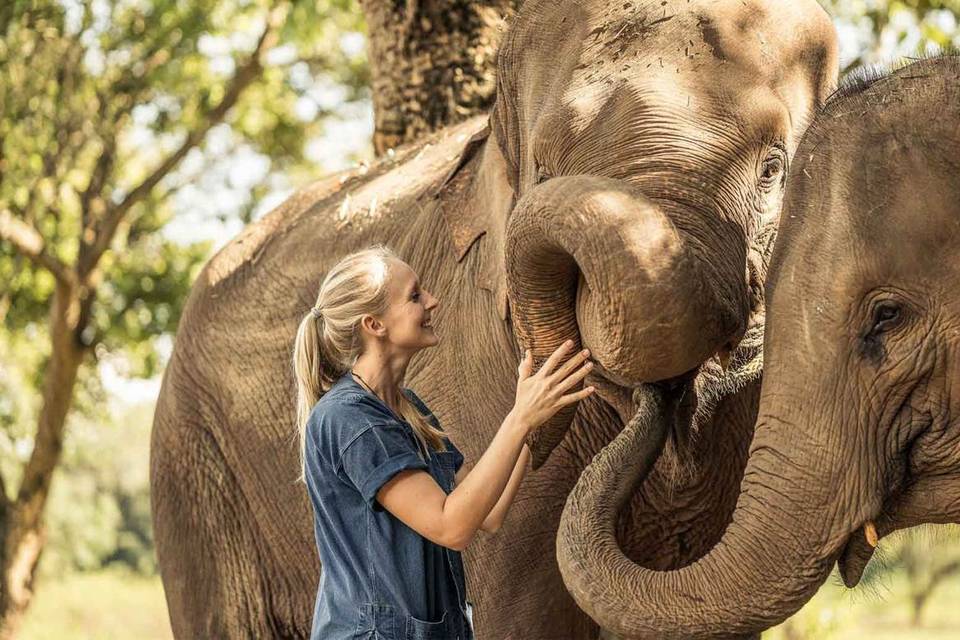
{"x":617,"y":197}
{"x":859,"y":420}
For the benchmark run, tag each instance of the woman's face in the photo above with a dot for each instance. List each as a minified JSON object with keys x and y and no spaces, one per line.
{"x":411,"y":308}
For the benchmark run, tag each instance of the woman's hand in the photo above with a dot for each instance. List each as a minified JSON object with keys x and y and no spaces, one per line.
{"x":541,"y":394}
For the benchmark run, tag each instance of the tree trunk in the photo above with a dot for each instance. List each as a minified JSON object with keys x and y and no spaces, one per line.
{"x":22,"y":526}
{"x":432,"y":63}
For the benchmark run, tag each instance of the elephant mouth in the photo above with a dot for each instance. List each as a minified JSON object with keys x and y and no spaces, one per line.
{"x":858,"y":551}
{"x":699,"y":390}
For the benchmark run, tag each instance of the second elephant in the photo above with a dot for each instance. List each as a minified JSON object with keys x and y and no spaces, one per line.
{"x":858,"y":432}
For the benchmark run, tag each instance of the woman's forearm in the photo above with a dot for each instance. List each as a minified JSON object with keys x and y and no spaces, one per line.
{"x":499,"y":512}
{"x":467,"y":506}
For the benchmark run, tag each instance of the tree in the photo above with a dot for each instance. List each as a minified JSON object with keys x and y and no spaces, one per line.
{"x":432,"y":63}
{"x":928,"y":556}
{"x":100,"y":106}
{"x":879,"y":31}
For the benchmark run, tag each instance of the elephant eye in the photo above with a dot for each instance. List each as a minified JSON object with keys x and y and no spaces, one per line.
{"x":773,"y":170}
{"x":886,"y":316}
{"x":542,"y":174}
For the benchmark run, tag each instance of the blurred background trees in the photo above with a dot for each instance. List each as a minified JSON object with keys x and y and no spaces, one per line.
{"x":136,"y":138}
{"x":109,"y":110}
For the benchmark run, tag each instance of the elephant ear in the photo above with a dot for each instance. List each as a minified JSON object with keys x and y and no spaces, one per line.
{"x":475,"y":199}
{"x":464,"y":229}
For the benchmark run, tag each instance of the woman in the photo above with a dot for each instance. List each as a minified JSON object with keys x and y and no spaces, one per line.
{"x":389,"y":523}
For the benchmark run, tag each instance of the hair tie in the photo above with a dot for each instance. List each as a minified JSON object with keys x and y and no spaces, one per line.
{"x":316,"y":312}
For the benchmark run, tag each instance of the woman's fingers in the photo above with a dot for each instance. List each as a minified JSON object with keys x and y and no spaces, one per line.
{"x":526,"y":365}
{"x":555,"y":357}
{"x":577,"y":396}
{"x":574,"y":378}
{"x":575,"y":361}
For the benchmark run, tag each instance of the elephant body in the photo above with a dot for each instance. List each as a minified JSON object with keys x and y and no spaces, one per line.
{"x":233,"y":528}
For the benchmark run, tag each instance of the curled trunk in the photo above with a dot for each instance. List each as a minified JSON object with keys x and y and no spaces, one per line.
{"x":769,"y":562}
{"x":594,"y":260}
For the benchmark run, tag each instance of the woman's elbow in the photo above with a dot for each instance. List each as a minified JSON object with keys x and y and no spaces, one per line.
{"x":459,"y":543}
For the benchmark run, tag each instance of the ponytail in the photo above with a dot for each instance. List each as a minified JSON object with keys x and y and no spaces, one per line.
{"x":315,"y":374}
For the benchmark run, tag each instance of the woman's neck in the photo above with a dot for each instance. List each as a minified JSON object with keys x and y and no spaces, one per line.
{"x":383,"y":377}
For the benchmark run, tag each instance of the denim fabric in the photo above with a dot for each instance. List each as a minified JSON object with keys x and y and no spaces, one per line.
{"x":380,"y":578}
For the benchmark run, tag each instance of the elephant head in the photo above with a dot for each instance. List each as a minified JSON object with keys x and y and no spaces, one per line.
{"x":636,"y":150}
{"x":858,"y":431}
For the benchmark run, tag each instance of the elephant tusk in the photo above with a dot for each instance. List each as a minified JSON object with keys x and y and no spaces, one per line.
{"x":724,"y":356}
{"x":870,"y":530}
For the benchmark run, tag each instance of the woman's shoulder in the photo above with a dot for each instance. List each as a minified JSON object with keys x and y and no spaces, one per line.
{"x":342,"y":415}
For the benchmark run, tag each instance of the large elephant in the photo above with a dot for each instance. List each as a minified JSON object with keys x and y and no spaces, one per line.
{"x":615,"y":195}
{"x":858,"y":432}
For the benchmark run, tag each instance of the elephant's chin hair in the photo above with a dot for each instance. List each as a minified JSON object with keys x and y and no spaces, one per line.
{"x":679,"y":464}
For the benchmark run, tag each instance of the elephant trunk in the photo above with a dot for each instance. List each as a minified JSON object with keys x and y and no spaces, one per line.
{"x":771,"y":559}
{"x":653,"y":289}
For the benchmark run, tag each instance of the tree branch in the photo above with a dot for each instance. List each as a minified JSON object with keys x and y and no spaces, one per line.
{"x":244,"y":76}
{"x":28,"y":242}
{"x":942,"y":573}
{"x":5,"y":501}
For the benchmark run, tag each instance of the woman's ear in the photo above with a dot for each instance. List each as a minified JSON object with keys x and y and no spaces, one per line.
{"x":372,"y":326}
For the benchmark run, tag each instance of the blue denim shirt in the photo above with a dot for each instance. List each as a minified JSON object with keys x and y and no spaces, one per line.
{"x":379,"y":578}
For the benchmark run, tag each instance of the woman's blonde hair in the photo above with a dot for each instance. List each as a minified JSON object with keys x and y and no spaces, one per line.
{"x":329,"y":343}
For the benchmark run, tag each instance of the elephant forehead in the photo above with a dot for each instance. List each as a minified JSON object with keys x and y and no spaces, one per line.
{"x":682,"y":54}
{"x":731,"y":31}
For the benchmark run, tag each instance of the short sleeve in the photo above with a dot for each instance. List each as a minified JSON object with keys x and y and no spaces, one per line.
{"x":375,"y":455}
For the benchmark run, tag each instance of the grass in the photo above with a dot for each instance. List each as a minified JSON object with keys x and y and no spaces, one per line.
{"x":103,"y":605}
{"x":880,"y":612}
{"x":114,"y":604}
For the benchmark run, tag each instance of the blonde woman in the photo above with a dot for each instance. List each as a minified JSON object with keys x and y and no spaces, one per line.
{"x":389,"y":521}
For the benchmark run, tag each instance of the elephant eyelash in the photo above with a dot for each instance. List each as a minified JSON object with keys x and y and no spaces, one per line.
{"x":885,"y":316}
{"x":542,"y":174}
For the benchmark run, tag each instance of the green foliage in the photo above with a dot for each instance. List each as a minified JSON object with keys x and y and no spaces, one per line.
{"x":95,"y":94}
{"x":879,"y":611}
{"x":99,"y":510}
{"x":143,"y":297}
{"x":110,"y":604}
{"x":877,"y":32}
{"x":928,"y":556}
{"x":113,"y":106}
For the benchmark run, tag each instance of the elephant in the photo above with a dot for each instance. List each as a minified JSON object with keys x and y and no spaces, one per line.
{"x":617,"y":194}
{"x":858,"y":427}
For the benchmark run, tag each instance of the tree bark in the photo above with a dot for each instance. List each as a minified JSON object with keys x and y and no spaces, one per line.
{"x":432,"y":63}
{"x":23,"y":531}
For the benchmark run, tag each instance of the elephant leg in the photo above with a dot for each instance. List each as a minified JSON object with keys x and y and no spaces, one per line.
{"x":513,"y":576}
{"x":206,"y":537}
